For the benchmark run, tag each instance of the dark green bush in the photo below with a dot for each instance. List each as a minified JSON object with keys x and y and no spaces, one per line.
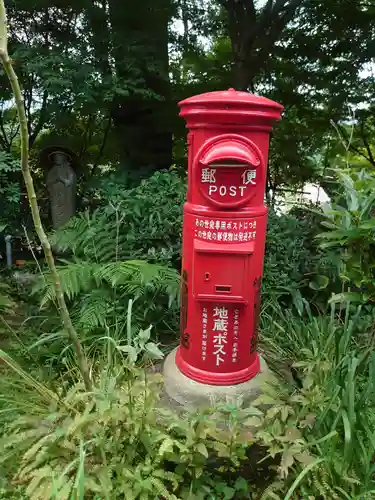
{"x":293,"y":260}
{"x":139,"y":223}
{"x":128,"y":249}
{"x":145,"y":222}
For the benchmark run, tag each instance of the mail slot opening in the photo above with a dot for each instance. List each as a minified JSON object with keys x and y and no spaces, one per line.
{"x":223,"y":288}
{"x":228,"y":163}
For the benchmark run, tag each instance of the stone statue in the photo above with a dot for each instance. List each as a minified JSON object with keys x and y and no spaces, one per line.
{"x":61,"y":185}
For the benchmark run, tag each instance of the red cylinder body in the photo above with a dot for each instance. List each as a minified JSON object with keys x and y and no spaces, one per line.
{"x":224,"y":233}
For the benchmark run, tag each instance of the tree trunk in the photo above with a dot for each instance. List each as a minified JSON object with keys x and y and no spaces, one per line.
{"x":98,"y":22}
{"x":243,"y":79}
{"x":142,"y":119}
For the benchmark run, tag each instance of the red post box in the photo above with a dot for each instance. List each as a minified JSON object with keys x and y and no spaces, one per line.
{"x":224,"y":234}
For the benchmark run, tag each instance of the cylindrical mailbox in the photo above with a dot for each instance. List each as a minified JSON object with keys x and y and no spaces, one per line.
{"x":224,"y":234}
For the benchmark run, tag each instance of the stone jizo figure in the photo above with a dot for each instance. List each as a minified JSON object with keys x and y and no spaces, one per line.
{"x":61,"y":185}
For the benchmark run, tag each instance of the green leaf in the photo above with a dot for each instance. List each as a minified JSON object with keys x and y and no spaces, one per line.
{"x":298,"y":301}
{"x":346,"y":297}
{"x":287,"y":461}
{"x":201,"y":448}
{"x":241,"y":485}
{"x":228,"y":493}
{"x":153,"y":350}
{"x":319,"y":282}
{"x":130,"y":351}
{"x":330,"y":225}
{"x":252,"y":422}
{"x":370,"y":224}
{"x":144,"y":335}
{"x":304,"y":458}
{"x":353,"y":204}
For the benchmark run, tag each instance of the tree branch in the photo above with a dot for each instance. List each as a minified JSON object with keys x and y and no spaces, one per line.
{"x":41,"y":121}
{"x":103,"y":145}
{"x":274,"y":26}
{"x":366,"y":143}
{"x":353,"y":148}
{"x":4,"y":138}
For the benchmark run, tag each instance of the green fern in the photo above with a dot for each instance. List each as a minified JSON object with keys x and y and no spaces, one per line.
{"x":143,"y":223}
{"x":93,"y":309}
{"x":98,"y":296}
{"x":132,"y":277}
{"x":113,"y":253}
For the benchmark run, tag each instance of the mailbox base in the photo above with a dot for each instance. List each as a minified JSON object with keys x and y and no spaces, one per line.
{"x":191,"y":394}
{"x":225,"y":379}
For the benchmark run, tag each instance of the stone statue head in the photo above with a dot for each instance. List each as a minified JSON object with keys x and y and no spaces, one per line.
{"x":60,"y":158}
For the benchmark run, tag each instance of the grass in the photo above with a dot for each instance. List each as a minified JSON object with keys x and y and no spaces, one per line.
{"x":335,"y":371}
{"x":330,"y":402}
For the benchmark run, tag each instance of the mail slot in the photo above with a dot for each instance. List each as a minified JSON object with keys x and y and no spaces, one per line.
{"x":227,"y":171}
{"x":221,"y":272}
{"x":224,"y":233}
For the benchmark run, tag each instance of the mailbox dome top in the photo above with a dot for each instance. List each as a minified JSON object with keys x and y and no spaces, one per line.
{"x":230,"y":107}
{"x":231,"y":96}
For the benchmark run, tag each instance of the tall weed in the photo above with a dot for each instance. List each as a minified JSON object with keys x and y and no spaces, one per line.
{"x":117,"y":441}
{"x":327,"y":420}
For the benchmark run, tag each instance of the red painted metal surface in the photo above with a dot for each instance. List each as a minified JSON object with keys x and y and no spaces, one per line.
{"x":224,"y":234}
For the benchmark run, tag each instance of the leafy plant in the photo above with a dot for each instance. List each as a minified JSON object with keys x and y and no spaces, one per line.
{"x":324,"y":428}
{"x":98,"y":296}
{"x":351,"y":224}
{"x":103,"y":275}
{"x":116,"y":441}
{"x":139,"y":223}
{"x":10,"y":193}
{"x":293,"y":264}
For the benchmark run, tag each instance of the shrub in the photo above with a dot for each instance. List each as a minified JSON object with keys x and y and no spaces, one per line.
{"x":139,"y":223}
{"x":350,"y":228}
{"x":294,"y":266}
{"x":324,"y":427}
{"x":118,"y":441}
{"x":10,"y":193}
{"x":98,"y":296}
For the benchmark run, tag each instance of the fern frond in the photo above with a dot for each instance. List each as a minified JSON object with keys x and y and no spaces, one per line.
{"x":160,"y":489}
{"x":139,"y":224}
{"x":137,"y":276}
{"x":93,"y":309}
{"x":75,"y":277}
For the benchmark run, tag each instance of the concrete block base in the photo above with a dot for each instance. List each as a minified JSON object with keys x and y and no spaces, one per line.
{"x":184,"y":392}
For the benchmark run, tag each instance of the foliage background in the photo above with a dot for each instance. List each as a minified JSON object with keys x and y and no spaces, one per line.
{"x":104,"y":81}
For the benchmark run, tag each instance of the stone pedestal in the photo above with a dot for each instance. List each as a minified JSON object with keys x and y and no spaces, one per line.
{"x":188,"y":394}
